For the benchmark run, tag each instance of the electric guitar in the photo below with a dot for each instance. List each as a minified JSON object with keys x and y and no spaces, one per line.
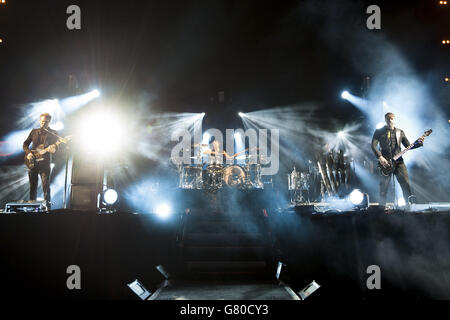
{"x":40,"y":151}
{"x":387,"y":169}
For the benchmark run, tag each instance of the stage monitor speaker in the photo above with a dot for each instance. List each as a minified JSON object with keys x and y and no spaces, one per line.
{"x":87,"y":170}
{"x":84,"y":197}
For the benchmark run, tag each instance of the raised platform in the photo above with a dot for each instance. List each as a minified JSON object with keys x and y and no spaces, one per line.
{"x":226,"y":290}
{"x":335,"y":249}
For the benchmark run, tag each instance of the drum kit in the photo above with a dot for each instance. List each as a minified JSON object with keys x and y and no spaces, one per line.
{"x":299,"y":186}
{"x":213,"y":175}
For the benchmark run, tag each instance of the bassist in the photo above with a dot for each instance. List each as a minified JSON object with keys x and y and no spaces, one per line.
{"x":390,"y":139}
{"x":41,"y":137}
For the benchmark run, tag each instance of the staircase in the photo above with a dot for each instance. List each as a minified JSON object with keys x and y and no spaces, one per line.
{"x":224,"y":246}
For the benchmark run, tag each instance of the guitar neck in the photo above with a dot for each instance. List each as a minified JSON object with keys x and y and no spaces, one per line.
{"x":398,"y":155}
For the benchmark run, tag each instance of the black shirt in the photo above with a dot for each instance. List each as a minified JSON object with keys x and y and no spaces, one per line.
{"x":40,"y":137}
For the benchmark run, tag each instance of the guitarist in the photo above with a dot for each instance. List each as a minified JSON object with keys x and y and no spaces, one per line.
{"x":390,"y":140}
{"x":41,"y":137}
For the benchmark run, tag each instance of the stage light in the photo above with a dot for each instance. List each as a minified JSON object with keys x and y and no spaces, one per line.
{"x":401,"y":202}
{"x":203,"y":113}
{"x":95,"y":93}
{"x":139,"y":289}
{"x":380,"y":125}
{"x":240,"y":114}
{"x":341,"y":134}
{"x":110,"y":197}
{"x":163,"y":210}
{"x":1,"y":40}
{"x":101,"y":134}
{"x":447,"y":79}
{"x":237,"y":136}
{"x":356,"y":197}
{"x":345,"y":95}
{"x":58,"y":126}
{"x":308,"y":290}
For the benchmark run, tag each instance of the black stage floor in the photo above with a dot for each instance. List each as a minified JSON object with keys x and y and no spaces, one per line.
{"x":335,"y":249}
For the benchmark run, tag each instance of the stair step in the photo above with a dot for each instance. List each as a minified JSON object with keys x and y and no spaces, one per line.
{"x":228,"y":270}
{"x":224,"y":253}
{"x":224,"y":239}
{"x":223,"y":266}
{"x":223,"y":227}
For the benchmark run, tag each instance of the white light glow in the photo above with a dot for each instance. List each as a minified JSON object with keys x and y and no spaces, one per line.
{"x":110,"y":196}
{"x":163,"y":210}
{"x":356,"y":197}
{"x":345,"y":95}
{"x":58,"y":126}
{"x":101,"y":134}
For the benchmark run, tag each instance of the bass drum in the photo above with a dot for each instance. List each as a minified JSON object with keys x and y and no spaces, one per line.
{"x":235,"y":176}
{"x":213,"y":177}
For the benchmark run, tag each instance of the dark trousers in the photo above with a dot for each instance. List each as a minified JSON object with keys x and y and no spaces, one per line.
{"x":401,"y":173}
{"x":42,"y":169}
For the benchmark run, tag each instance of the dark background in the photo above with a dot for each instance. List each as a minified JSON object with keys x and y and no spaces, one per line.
{"x":176,"y":55}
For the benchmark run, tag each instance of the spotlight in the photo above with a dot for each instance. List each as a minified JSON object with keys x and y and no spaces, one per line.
{"x":356,"y":197}
{"x":203,"y":113}
{"x":447,"y":79}
{"x":206,"y":137}
{"x":380,"y":125}
{"x":240,"y":114}
{"x":401,"y":202}
{"x":95,"y":93}
{"x":308,"y":290}
{"x":58,"y":126}
{"x":139,"y":289}
{"x":341,"y":134}
{"x":237,"y":136}
{"x":345,"y":95}
{"x":163,"y":210}
{"x":102,"y":134}
{"x":110,"y":196}
{"x":359,"y":199}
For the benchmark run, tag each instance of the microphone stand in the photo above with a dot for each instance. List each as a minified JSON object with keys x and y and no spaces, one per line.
{"x":66,"y":169}
{"x":393,"y":169}
{"x":65,"y":178}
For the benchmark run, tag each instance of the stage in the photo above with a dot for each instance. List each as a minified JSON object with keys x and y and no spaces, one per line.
{"x":333,"y":249}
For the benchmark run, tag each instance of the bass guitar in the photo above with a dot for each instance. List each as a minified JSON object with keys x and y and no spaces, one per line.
{"x":387,"y":169}
{"x":40,"y":151}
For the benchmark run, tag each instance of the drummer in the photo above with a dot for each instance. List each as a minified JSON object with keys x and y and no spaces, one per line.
{"x":216,"y":156}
